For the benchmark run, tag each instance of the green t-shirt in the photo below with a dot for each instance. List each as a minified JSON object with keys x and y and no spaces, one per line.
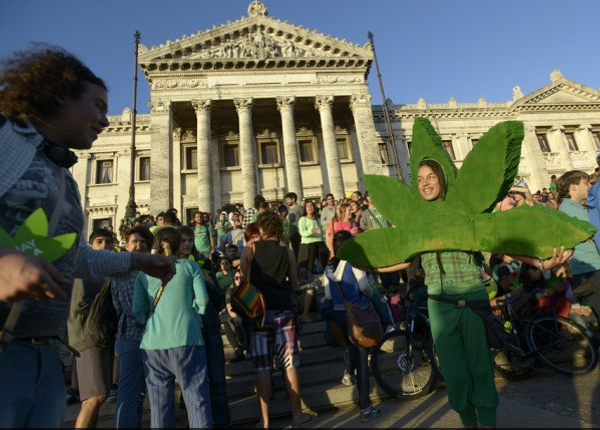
{"x":202,"y":238}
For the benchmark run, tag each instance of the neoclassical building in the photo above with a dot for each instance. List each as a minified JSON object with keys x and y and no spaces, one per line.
{"x":261,"y":106}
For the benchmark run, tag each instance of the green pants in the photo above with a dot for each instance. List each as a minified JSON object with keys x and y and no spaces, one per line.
{"x":465,"y":360}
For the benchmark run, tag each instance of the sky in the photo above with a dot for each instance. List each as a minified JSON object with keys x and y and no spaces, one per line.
{"x":435,"y":49}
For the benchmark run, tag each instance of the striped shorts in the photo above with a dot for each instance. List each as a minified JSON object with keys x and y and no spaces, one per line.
{"x":279,"y":337}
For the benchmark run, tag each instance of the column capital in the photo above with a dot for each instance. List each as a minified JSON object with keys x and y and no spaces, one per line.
{"x":243,"y":104}
{"x":285,"y":102}
{"x":201,"y":105}
{"x":159,"y":106}
{"x":360,"y":100}
{"x":177,"y":132}
{"x":323,"y":101}
{"x":584,"y":127}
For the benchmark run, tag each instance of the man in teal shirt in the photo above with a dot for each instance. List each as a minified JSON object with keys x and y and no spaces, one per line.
{"x":585,"y":263}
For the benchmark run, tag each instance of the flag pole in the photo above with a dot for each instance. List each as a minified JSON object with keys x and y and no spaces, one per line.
{"x":391,"y":140}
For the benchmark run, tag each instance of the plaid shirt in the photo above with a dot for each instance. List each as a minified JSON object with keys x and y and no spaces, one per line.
{"x":29,"y":180}
{"x":248,"y":216}
{"x":122,"y":287}
{"x":461,"y":275}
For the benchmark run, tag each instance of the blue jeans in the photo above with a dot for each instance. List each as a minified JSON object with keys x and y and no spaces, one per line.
{"x":32,"y":387}
{"x":128,"y":413}
{"x":215,"y":358}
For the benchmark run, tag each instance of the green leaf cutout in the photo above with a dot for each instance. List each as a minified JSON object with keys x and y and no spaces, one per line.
{"x":31,"y":238}
{"x":502,"y":144}
{"x":462,"y":220}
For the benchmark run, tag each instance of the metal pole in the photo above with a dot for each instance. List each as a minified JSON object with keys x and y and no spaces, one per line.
{"x":131,"y":206}
{"x":386,"y":114}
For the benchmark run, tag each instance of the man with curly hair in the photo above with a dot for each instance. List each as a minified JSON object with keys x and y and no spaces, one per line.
{"x":50,"y":105}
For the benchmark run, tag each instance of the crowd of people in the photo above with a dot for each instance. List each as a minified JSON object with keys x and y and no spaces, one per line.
{"x":170,"y":283}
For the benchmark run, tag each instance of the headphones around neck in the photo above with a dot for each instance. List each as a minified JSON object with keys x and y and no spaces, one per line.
{"x":59,"y":154}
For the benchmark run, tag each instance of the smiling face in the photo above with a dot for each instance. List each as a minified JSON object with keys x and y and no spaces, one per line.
{"x":80,"y":120}
{"x":429,"y":183}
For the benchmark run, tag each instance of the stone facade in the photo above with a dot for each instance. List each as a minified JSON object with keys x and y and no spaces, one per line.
{"x":260,"y":106}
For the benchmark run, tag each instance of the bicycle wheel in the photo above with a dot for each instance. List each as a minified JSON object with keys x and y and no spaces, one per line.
{"x":402,"y":372}
{"x":512,"y":366}
{"x":562,"y":345}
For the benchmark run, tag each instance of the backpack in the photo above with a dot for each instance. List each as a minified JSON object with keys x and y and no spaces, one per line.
{"x":101,"y":323}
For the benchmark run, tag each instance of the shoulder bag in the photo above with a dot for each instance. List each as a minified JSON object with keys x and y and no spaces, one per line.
{"x":364,"y":325}
{"x":249,"y":301}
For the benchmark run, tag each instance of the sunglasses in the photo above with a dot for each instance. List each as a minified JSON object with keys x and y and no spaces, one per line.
{"x":237,"y":278}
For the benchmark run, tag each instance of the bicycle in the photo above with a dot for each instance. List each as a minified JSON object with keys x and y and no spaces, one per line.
{"x":543,"y":339}
{"x":404,"y":363}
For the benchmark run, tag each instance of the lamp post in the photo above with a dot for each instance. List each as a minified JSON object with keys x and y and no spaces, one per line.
{"x":131,"y":206}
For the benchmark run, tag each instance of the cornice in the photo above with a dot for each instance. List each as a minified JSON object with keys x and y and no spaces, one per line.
{"x":254,"y":42}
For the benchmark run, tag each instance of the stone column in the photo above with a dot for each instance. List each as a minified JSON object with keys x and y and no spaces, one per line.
{"x":585,"y":140}
{"x":367,"y":136}
{"x":248,"y":160}
{"x":205,"y":176}
{"x":161,"y":182}
{"x":285,"y":105}
{"x":332,"y":158}
{"x":533,"y":158}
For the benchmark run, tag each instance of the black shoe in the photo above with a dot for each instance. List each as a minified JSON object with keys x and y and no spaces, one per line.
{"x":238,"y":356}
{"x":369,"y":414}
{"x":73,"y":396}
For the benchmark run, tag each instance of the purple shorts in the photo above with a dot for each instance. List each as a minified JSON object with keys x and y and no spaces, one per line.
{"x":280,"y":336}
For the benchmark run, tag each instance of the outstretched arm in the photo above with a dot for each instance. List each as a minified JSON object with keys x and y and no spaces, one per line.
{"x":558,"y":258}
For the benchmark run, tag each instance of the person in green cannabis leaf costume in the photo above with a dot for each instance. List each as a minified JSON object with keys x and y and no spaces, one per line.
{"x":446,"y":217}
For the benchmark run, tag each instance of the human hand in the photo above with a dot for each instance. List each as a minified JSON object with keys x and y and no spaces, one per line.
{"x":154,"y":265}
{"x":557,"y":258}
{"x":24,"y":277}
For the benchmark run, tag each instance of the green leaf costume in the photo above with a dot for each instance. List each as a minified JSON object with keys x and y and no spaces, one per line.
{"x":31,"y":238}
{"x":463,"y":220}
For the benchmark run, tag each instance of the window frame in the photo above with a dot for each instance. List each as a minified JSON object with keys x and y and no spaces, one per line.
{"x":235,"y":146}
{"x":311,"y":142}
{"x":447,"y":144}
{"x":261,"y":144}
{"x":187,"y":158}
{"x":100,"y":170}
{"x":542,"y":139}
{"x":141,"y":168}
{"x":571,"y":142}
{"x":344,"y":141}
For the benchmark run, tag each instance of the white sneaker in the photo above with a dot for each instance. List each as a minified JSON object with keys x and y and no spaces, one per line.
{"x":348,"y":380}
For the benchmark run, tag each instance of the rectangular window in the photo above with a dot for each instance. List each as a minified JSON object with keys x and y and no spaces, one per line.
{"x":104,"y":175}
{"x":343,"y":152}
{"x":596,"y":137}
{"x":144,"y":168}
{"x":307,"y":151}
{"x":543,"y":141}
{"x":571,"y":142}
{"x":269,"y":153}
{"x":231,"y":155}
{"x":191,"y":158}
{"x":101,"y":223}
{"x":383,"y":152}
{"x":449,"y":149}
{"x":474,"y":142}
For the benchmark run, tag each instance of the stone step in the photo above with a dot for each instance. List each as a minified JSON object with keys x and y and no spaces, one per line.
{"x":309,"y":374}
{"x":324,"y":396}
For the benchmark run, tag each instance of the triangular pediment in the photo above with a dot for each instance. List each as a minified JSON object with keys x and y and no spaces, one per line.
{"x":253,"y":39}
{"x":559,"y":92}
